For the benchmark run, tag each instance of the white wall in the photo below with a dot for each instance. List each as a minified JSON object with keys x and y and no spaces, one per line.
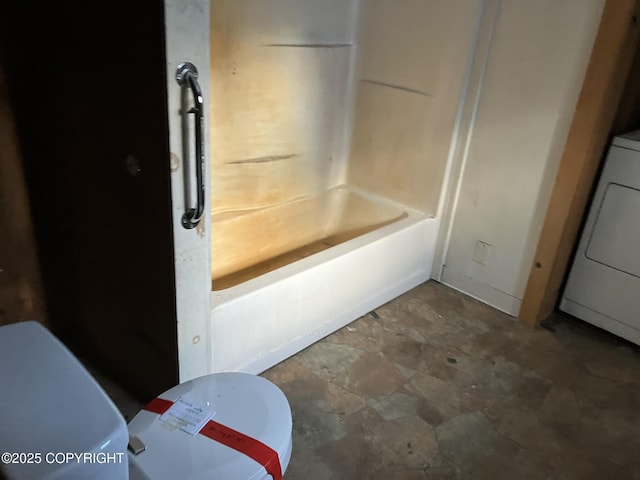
{"x":517,"y":118}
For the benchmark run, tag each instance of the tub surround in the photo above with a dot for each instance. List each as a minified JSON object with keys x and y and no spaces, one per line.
{"x":331,"y":124}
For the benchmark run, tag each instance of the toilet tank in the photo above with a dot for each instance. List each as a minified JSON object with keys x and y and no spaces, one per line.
{"x":55,"y":420}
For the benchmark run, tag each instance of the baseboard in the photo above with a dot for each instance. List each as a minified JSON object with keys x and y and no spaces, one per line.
{"x":481,"y":291}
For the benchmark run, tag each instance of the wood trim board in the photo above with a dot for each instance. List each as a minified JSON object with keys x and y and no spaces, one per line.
{"x":611,"y":59}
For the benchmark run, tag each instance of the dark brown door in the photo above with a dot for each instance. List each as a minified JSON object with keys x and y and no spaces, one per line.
{"x":88,"y":88}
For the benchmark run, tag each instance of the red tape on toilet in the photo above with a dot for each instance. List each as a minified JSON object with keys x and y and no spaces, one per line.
{"x":252,"y":448}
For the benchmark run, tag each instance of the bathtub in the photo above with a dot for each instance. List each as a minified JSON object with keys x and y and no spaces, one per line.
{"x":261,"y":321}
{"x":331,"y":128}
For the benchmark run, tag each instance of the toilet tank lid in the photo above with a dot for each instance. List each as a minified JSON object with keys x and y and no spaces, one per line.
{"x":245,"y":403}
{"x":48,"y":401}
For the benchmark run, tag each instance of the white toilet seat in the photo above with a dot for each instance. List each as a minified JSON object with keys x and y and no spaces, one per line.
{"x":246,"y":403}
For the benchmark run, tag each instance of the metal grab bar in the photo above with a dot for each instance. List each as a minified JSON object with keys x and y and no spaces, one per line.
{"x":187,"y":76}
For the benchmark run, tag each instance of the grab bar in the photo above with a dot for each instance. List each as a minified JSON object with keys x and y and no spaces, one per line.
{"x":187,"y":77}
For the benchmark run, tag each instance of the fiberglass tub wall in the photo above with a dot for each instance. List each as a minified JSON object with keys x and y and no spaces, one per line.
{"x":283,"y":78}
{"x":280,"y":91}
{"x":295,"y":83}
{"x":413,"y":56}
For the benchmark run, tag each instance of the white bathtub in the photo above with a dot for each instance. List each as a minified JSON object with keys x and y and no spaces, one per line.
{"x":260,"y":322}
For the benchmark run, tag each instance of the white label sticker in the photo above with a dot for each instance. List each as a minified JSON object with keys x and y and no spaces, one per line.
{"x":187,"y":416}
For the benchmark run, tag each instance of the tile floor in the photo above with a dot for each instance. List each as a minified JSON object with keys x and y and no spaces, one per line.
{"x":435,"y":385}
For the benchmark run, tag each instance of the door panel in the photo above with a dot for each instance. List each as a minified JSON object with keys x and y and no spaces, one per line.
{"x":89,"y":88}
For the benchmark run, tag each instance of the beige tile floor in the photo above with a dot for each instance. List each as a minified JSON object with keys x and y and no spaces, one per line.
{"x":435,"y":385}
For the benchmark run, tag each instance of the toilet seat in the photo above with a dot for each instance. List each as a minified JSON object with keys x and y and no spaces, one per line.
{"x":246,"y":403}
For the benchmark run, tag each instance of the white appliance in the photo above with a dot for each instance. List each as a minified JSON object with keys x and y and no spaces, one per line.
{"x":603,"y":287}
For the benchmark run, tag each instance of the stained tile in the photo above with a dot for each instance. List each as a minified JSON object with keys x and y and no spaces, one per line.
{"x":441,"y":396}
{"x":354,"y":456}
{"x":285,"y":372}
{"x":613,"y":367}
{"x":313,"y":428}
{"x":366,"y":334}
{"x":560,"y":405}
{"x":400,"y":474}
{"x":395,"y":406}
{"x":340,"y":400}
{"x":329,"y":361}
{"x":372,"y":375}
{"x":440,"y":469}
{"x":471,"y":442}
{"x":523,"y":426}
{"x":405,"y":443}
{"x":306,"y":465}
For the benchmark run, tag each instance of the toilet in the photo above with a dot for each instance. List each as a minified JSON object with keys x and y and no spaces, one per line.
{"x":58,"y":423}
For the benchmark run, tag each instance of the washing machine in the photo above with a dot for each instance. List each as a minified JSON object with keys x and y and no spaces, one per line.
{"x":603,"y":287}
